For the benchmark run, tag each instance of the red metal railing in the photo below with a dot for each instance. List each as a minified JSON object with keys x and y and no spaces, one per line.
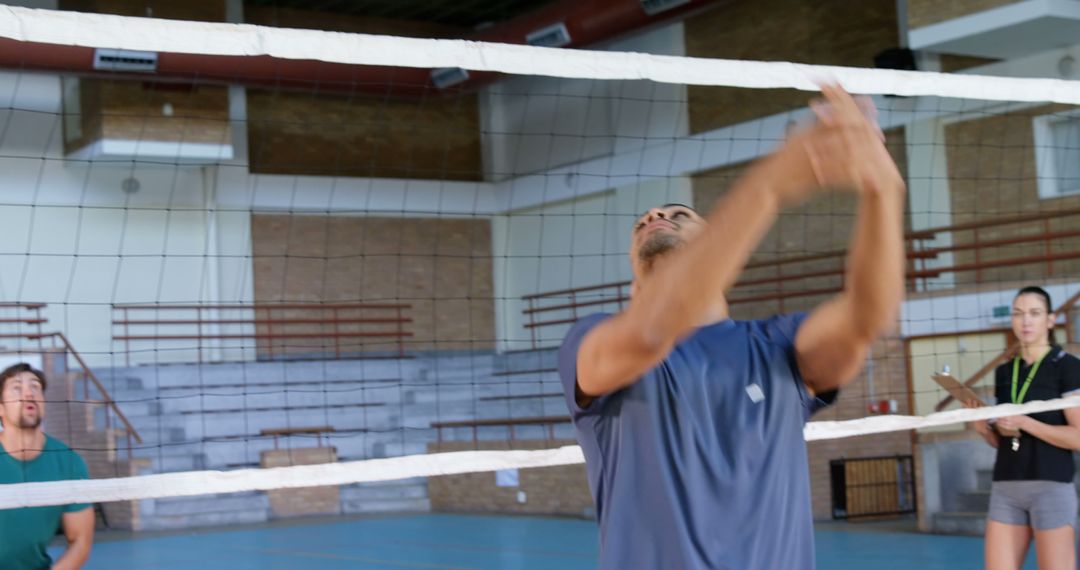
{"x":1034,"y":230}
{"x":21,"y":319}
{"x":325,"y":327}
{"x":819,"y":274}
{"x":110,"y":405}
{"x":57,"y":341}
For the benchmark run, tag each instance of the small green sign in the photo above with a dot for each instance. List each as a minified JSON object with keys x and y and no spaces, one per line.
{"x":1001,"y":312}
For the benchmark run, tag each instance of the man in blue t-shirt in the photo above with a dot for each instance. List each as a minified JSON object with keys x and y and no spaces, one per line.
{"x":691,"y":423}
{"x":27,"y":455}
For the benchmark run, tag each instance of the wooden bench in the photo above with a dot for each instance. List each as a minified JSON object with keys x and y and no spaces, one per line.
{"x":285,"y":432}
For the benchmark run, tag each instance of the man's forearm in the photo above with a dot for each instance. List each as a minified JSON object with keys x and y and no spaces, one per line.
{"x":688,"y":285}
{"x":75,"y":556}
{"x":875,"y":276}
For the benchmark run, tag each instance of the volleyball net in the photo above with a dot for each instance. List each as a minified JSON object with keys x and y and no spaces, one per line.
{"x":226,"y":240}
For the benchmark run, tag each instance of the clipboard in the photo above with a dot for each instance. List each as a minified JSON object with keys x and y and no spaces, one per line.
{"x":956,"y":389}
{"x":962,"y":393}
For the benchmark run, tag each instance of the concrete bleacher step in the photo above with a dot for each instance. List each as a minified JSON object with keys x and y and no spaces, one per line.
{"x":405,"y":496}
{"x":527,"y":360}
{"x":204,"y":511}
{"x":174,"y":506}
{"x":115,"y":383}
{"x":162,"y":432}
{"x":966,"y":523}
{"x":138,"y":413}
{"x":973,"y":501}
{"x":181,"y":376}
{"x":177,"y":463}
{"x":521,"y":410}
{"x":523,"y":392}
{"x":195,"y":417}
{"x":150,"y":449}
{"x":389,"y":445}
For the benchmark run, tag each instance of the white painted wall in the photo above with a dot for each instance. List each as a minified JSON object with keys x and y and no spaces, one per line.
{"x":532,"y":124}
{"x":75,"y":240}
{"x":969,"y":312}
{"x":570,"y":244}
{"x":553,"y":239}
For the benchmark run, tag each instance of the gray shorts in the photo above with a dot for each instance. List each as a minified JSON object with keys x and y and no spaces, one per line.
{"x":1043,"y":505}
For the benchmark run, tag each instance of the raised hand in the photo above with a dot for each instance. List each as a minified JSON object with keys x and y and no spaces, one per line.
{"x":844,"y":149}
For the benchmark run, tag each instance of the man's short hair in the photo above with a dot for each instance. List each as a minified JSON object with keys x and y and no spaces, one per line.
{"x":16,"y":369}
{"x":670,"y":205}
{"x":674,"y":204}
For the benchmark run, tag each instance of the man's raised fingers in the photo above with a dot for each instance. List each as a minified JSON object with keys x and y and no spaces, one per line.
{"x":841,"y":101}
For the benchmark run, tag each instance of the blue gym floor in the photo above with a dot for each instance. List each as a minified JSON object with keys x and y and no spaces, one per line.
{"x":481,"y":542}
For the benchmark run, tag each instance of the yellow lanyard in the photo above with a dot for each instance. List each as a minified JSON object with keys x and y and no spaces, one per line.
{"x":1027,"y":382}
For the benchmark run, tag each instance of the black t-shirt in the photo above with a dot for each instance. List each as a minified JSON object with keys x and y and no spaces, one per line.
{"x":1037,"y":460}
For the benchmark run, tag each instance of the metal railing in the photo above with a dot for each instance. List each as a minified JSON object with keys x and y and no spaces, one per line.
{"x":58,"y":342}
{"x":22,"y":319}
{"x":275,"y":329}
{"x":795,"y":277}
{"x":1034,"y":229}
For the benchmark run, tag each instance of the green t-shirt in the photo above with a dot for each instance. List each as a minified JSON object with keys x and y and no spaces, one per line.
{"x":25,"y":533}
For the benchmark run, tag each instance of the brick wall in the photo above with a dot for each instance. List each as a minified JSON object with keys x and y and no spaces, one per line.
{"x":952,"y":63}
{"x":196,"y":10}
{"x":361,"y":134}
{"x":364,"y":135}
{"x":278,"y":16}
{"x":925,"y":12}
{"x":135,"y":110}
{"x":302,"y":501}
{"x":441,"y":266}
{"x":992,"y":174}
{"x":828,"y":32}
{"x":548,"y":490}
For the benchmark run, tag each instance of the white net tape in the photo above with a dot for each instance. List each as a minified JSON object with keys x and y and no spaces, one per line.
{"x":451,"y":463}
{"x":120,"y":32}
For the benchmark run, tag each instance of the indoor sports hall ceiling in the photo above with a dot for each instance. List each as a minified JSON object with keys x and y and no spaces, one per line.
{"x":460,"y":13}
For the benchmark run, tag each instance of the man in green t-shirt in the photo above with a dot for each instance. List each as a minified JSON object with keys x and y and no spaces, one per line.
{"x":29,"y":456}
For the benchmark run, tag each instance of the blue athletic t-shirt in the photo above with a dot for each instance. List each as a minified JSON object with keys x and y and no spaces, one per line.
{"x":701,"y":463}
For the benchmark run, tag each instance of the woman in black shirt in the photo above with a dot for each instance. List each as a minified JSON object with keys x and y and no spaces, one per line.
{"x":1033,"y":493}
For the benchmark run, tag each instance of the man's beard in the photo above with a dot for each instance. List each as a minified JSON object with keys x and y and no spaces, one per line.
{"x":30,"y":423}
{"x":656,"y":246}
